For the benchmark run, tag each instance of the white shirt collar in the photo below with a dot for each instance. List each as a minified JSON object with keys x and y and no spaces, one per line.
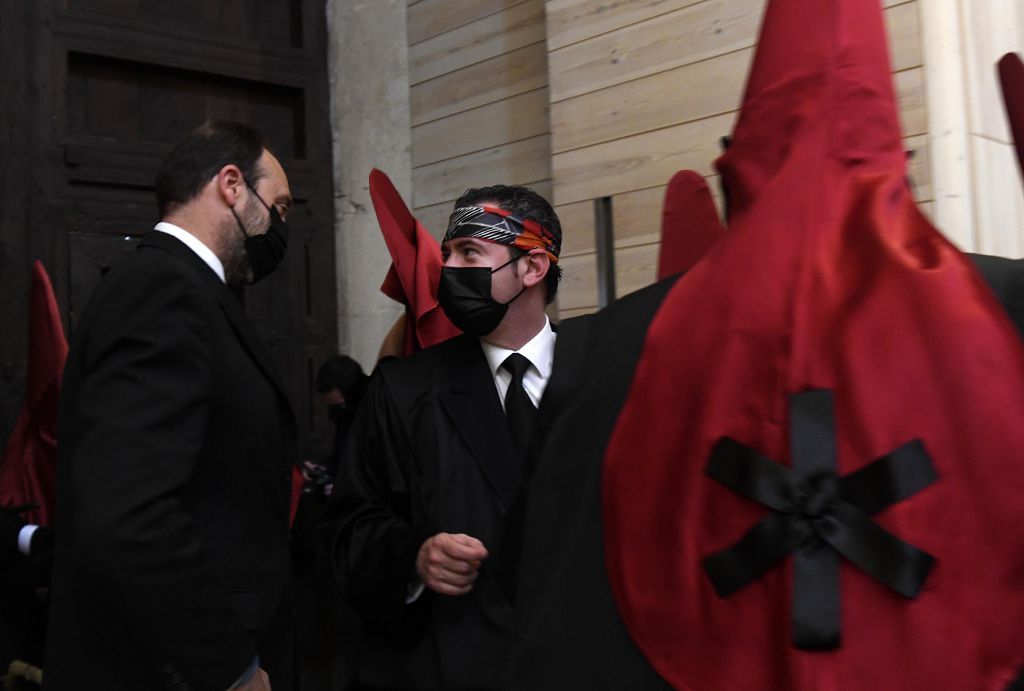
{"x":194,"y":244}
{"x":539,"y":350}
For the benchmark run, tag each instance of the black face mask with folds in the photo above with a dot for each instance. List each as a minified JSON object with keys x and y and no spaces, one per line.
{"x":264,"y":251}
{"x":465,"y":297}
{"x":340,"y":415}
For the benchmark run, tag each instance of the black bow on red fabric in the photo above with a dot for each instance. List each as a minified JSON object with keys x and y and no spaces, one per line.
{"x":817,"y":517}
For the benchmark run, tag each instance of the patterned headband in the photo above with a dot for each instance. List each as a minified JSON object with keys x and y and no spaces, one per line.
{"x":491,"y":223}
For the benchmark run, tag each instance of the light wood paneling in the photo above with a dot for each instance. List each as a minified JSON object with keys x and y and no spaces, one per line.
{"x":571,"y":21}
{"x":928,"y":209}
{"x":909,"y":86}
{"x":904,"y":30}
{"x":639,"y":162}
{"x":919,"y":168}
{"x":479,"y":102}
{"x":521,"y":25}
{"x":712,"y":87}
{"x":509,"y":120}
{"x":485,"y":82}
{"x":579,"y":282}
{"x":435,"y":218}
{"x":707,"y":88}
{"x":698,"y":32}
{"x":637,"y":216}
{"x":429,"y":18}
{"x":635,"y":267}
{"x":529,"y":159}
{"x":577,"y":221}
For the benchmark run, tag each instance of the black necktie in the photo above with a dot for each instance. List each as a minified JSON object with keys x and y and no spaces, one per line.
{"x":519,"y":409}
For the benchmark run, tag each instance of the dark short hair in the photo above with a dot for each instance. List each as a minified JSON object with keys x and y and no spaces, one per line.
{"x":343,"y":373}
{"x":527,"y":204}
{"x":200,"y":154}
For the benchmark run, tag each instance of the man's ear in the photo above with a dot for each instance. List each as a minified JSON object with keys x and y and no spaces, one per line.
{"x":229,"y":182}
{"x":537,"y":265}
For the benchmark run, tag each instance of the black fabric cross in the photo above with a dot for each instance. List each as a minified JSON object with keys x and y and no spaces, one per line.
{"x":519,"y":409}
{"x":818,"y":516}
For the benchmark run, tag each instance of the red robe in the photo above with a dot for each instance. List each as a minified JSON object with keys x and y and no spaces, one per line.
{"x":828,"y":279}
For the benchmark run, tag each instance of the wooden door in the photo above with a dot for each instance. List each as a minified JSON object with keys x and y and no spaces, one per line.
{"x":93,"y":94}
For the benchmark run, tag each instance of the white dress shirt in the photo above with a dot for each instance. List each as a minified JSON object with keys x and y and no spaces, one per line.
{"x":539,"y":350}
{"x":194,"y":244}
{"x":25,"y":538}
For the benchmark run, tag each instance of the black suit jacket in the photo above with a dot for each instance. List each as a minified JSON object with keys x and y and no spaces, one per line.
{"x":430,"y":452}
{"x":176,"y":442}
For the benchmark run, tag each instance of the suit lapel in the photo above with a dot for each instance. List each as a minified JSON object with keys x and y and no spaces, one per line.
{"x":471,"y":402}
{"x":237,"y":318}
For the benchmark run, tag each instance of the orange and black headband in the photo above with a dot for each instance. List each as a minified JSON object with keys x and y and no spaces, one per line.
{"x":494,"y":224}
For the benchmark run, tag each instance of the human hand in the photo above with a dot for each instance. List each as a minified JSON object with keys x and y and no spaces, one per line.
{"x":449,"y":564}
{"x":258,"y":682}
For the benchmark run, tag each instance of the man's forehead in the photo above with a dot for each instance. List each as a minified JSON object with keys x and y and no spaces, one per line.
{"x":275,"y":177}
{"x":464,"y":242}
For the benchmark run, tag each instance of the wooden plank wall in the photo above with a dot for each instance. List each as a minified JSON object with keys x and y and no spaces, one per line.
{"x":479,"y":98}
{"x":642,"y":88}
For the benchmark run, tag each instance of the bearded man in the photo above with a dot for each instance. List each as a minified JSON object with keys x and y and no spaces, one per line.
{"x":176,"y":443}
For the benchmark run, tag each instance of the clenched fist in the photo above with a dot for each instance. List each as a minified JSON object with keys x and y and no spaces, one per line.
{"x":448,"y":564}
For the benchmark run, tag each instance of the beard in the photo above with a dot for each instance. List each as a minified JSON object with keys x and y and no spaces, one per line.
{"x":237,"y":269}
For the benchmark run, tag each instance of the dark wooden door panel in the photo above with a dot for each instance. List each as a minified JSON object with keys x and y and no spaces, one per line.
{"x":272,"y":22}
{"x":101,"y":89}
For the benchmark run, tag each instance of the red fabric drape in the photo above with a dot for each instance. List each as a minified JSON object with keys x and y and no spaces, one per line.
{"x":1011,"y":78}
{"x":689,"y":224}
{"x":29,"y":464}
{"x":415,"y":267}
{"x":298,"y":482}
{"x":829,"y":278}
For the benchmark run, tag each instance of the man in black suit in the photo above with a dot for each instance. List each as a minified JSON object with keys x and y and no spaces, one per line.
{"x":176,"y":443}
{"x":435,"y":459}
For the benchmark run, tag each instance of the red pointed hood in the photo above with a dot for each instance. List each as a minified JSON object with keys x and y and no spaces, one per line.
{"x":819,"y":88}
{"x":415,"y":266}
{"x":828,"y":279}
{"x":48,"y":347}
{"x":28,"y":466}
{"x":689,"y":224}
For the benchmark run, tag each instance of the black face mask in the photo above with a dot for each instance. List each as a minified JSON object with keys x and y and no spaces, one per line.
{"x":465,"y":296}
{"x":338,"y":413}
{"x":264,"y":251}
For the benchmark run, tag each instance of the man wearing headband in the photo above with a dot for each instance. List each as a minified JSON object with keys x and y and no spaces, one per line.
{"x":437,"y":454}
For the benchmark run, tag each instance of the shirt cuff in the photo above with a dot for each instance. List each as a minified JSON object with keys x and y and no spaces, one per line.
{"x":25,"y":538}
{"x":248,"y":674}
{"x":414,"y":590}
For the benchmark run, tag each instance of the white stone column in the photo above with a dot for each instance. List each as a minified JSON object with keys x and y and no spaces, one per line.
{"x":369,"y":86}
{"x":979,"y":202}
{"x":993,"y":28}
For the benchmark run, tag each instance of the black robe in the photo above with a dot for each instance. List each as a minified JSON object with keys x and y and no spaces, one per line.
{"x":430,"y":452}
{"x":569,"y":633}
